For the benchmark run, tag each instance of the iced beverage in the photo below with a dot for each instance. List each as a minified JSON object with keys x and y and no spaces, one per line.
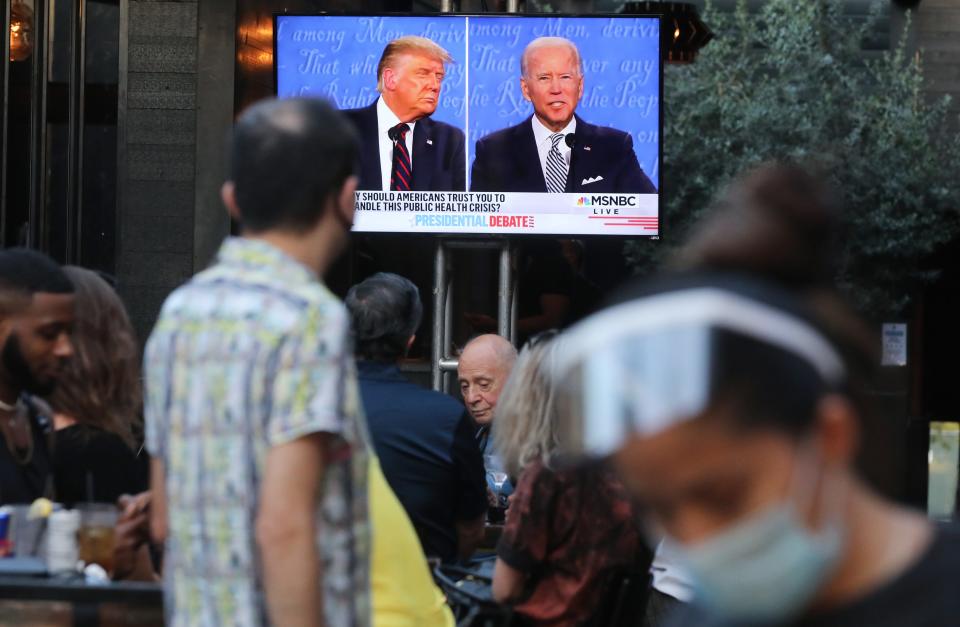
{"x":95,"y":539}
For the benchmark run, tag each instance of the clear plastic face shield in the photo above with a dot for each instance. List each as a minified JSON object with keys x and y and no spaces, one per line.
{"x":641,"y":367}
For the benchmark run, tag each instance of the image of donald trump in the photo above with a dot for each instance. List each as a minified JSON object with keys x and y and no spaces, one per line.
{"x":555,"y":150}
{"x":402,"y":148}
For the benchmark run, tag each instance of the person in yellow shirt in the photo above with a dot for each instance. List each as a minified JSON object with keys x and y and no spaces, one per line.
{"x":402,"y":588}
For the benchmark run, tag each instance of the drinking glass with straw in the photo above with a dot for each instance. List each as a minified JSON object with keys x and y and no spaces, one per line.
{"x":95,"y":537}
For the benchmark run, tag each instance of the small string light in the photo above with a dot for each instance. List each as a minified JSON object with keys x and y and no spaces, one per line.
{"x":21,"y":31}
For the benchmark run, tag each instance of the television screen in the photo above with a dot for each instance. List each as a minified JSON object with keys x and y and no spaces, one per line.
{"x":490,"y":124}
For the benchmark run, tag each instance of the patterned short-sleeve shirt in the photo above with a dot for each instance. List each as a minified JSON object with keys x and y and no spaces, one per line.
{"x":252,"y":353}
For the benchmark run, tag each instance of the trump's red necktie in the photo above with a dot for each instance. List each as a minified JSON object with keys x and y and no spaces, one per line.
{"x":401,"y":175}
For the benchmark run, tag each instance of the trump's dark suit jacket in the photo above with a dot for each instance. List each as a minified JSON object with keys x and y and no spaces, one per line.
{"x":439,"y":161}
{"x":602,"y":161}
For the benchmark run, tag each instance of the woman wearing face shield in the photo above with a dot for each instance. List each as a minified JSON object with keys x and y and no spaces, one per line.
{"x":728,"y":394}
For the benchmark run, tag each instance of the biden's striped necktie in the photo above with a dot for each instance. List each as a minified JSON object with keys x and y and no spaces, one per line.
{"x":556,"y":166}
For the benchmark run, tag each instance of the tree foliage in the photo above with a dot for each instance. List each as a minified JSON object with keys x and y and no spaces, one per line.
{"x":792,"y":82}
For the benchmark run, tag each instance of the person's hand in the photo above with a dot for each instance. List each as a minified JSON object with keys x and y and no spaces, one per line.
{"x":134,"y":505}
{"x":506,"y":514}
{"x":492,"y":498}
{"x":131,"y":532}
{"x":481,"y":322}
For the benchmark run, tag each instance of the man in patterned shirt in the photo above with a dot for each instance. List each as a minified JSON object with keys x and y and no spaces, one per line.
{"x":258,"y":444}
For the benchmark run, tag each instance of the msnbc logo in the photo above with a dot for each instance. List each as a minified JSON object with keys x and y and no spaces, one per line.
{"x":584,"y":201}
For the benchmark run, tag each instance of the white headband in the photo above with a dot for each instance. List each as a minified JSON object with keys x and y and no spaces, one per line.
{"x":703,"y":307}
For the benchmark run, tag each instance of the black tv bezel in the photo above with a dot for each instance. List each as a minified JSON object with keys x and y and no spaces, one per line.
{"x":520,"y":236}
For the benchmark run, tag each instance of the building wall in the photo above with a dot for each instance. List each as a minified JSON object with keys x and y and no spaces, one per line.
{"x":157,"y":154}
{"x":175,"y":118}
{"x":178,"y":67}
{"x":936,"y":34}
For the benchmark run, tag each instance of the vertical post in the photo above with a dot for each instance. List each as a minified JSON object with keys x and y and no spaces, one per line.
{"x":513,"y":308}
{"x":439,"y":314}
{"x":38,"y":120}
{"x":4,"y":137}
{"x":504,"y":291}
{"x":75,"y":117}
{"x":442,"y":303}
{"x":513,"y":6}
{"x":81,"y":130}
{"x":122,"y":69}
{"x":447,"y":332}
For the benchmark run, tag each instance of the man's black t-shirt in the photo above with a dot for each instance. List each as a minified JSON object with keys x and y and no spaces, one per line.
{"x":926,"y":595}
{"x":26,"y":475}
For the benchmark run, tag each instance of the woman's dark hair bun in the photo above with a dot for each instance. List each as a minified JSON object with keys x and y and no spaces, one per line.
{"x":779,"y":221}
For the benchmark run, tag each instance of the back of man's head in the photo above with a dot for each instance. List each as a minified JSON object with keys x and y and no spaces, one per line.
{"x":25,"y":272}
{"x":289,"y":158}
{"x":386,"y":311}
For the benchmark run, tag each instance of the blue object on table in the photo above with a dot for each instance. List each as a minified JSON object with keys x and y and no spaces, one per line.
{"x":497,"y":479}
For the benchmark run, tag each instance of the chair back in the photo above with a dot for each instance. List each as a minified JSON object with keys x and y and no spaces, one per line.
{"x":626,"y":602}
{"x":469,"y":596}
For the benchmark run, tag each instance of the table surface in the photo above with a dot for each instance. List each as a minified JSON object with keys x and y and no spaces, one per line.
{"x":77,"y":590}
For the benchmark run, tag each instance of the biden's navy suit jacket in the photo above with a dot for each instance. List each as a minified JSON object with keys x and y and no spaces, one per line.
{"x":602,"y":161}
{"x":439,"y":160}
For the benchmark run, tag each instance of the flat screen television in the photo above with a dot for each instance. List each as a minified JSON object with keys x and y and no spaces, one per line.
{"x":510,"y":135}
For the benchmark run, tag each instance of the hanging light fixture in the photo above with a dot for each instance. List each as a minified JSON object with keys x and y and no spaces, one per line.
{"x":21,"y":31}
{"x":686,"y":33}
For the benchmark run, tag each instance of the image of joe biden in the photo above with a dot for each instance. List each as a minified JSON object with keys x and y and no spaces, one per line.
{"x":555,"y":150}
{"x":402,"y":148}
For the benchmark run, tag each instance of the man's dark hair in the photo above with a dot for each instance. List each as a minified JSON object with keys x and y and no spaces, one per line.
{"x":24,"y":272}
{"x":386,"y":311}
{"x":288,"y":158}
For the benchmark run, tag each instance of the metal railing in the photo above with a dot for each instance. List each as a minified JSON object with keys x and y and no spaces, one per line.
{"x":443,"y":362}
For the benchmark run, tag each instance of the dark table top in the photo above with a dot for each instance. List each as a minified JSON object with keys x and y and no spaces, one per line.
{"x":77,"y":590}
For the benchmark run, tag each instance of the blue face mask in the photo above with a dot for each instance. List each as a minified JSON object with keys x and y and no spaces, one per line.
{"x":763,"y":570}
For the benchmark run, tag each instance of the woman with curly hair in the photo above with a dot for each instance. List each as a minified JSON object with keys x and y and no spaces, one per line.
{"x":97,"y":402}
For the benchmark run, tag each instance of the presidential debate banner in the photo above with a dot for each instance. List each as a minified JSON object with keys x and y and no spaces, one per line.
{"x":490,"y":124}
